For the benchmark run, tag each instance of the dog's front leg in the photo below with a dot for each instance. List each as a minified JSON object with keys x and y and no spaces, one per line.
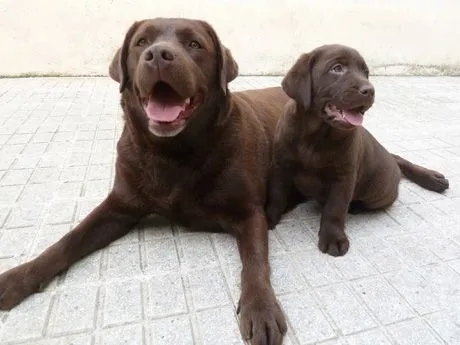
{"x":261,"y":318}
{"x":107,"y":222}
{"x":332,"y":237}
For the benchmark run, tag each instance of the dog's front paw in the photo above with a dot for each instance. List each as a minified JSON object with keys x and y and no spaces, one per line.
{"x":333,"y":243}
{"x":15,"y":285}
{"x":262,"y":321}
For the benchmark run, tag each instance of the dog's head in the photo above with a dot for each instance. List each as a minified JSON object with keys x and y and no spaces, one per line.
{"x":173,"y":66}
{"x":332,"y":81}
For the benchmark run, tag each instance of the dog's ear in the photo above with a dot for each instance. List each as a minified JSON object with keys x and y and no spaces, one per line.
{"x":118,"y":69}
{"x":227,"y":68}
{"x":114,"y":68}
{"x":298,"y":82}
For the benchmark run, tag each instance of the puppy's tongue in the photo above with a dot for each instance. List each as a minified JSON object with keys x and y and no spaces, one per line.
{"x":353,"y":117}
{"x":164,"y":111}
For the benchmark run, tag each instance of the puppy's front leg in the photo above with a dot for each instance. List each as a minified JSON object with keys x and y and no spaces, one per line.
{"x":107,"y":222}
{"x":261,"y":319}
{"x":332,"y":237}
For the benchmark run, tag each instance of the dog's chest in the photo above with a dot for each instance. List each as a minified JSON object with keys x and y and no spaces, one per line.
{"x":318,"y":161}
{"x":167,"y":187}
{"x":318,"y":167}
{"x":183,"y":193}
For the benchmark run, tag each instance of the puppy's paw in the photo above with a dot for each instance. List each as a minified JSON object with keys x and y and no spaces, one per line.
{"x":15,"y":285}
{"x":262,"y":321}
{"x":435,"y":181}
{"x":335,"y":244}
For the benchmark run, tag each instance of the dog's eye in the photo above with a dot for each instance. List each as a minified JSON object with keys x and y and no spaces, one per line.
{"x":337,"y":68}
{"x":141,"y":42}
{"x":194,"y":45}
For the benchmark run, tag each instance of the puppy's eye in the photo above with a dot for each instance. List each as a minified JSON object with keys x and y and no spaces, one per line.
{"x":194,"y":45}
{"x":141,"y":42}
{"x":337,"y":68}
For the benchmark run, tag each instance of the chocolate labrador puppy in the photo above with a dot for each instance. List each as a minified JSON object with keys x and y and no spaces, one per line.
{"x":321,"y":148}
{"x":190,"y":151}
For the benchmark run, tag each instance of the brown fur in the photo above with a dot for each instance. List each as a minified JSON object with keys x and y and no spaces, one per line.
{"x":209,"y":176}
{"x":337,"y":164}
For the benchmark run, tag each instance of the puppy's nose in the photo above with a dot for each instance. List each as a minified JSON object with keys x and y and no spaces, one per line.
{"x":367,"y":90}
{"x":159,"y":53}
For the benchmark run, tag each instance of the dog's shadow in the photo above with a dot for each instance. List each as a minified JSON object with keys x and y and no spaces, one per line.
{"x":152,"y":222}
{"x":155,"y":223}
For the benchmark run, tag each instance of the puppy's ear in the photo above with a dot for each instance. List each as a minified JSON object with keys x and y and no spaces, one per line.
{"x":298,"y":82}
{"x":227,"y":68}
{"x":118,"y":69}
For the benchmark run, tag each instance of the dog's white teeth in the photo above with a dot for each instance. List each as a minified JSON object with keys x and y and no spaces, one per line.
{"x":187,"y":101}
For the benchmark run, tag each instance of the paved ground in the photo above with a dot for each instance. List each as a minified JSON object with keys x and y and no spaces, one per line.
{"x":161,"y":285}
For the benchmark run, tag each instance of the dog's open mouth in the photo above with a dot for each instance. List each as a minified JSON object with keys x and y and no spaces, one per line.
{"x":352,"y":117}
{"x":165,"y":106}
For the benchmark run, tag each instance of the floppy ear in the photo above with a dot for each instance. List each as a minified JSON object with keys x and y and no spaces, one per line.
{"x":118,"y":69}
{"x":227,"y":68}
{"x":297,"y":83}
{"x":114,"y":68}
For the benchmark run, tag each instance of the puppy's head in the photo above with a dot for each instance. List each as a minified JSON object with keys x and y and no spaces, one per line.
{"x":332,"y":81}
{"x":173,"y":66}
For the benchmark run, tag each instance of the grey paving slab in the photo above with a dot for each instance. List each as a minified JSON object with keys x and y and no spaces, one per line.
{"x":162,"y":285}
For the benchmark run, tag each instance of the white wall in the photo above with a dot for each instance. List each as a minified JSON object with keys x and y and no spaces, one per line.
{"x":265,"y":36}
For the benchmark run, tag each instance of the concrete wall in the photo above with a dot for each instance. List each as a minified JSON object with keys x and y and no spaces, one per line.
{"x":79,"y":37}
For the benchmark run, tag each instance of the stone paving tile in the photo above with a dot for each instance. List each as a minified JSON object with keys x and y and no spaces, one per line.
{"x":122,"y":303}
{"x":173,"y":330}
{"x":162,"y":285}
{"x":28,"y":320}
{"x":446,"y":325}
{"x":307,"y":318}
{"x":74,"y":311}
{"x":121,"y":336}
{"x":346,"y":310}
{"x":383,"y":300}
{"x":166,"y":296}
{"x":413,"y":332}
{"x":218,"y":326}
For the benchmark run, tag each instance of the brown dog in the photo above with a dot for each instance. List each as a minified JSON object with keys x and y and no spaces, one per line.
{"x":322,"y":150}
{"x":190,"y":151}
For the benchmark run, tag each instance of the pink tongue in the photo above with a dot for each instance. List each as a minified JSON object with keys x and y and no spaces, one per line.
{"x":353,"y":117}
{"x":163,"y":112}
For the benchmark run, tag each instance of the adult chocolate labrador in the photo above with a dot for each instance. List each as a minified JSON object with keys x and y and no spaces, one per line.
{"x":190,"y":151}
{"x":321,"y":148}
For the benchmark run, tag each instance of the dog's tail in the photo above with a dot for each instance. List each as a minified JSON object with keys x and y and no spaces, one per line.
{"x":428,"y":179}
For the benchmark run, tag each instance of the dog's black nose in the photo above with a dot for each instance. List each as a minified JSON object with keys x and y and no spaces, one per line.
{"x":159,"y":53}
{"x":367,"y":90}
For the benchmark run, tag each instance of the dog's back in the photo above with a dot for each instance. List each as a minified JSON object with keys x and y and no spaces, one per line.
{"x":268,"y":104}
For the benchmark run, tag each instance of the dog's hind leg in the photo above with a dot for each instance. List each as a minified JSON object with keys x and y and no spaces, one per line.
{"x":426,"y":178}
